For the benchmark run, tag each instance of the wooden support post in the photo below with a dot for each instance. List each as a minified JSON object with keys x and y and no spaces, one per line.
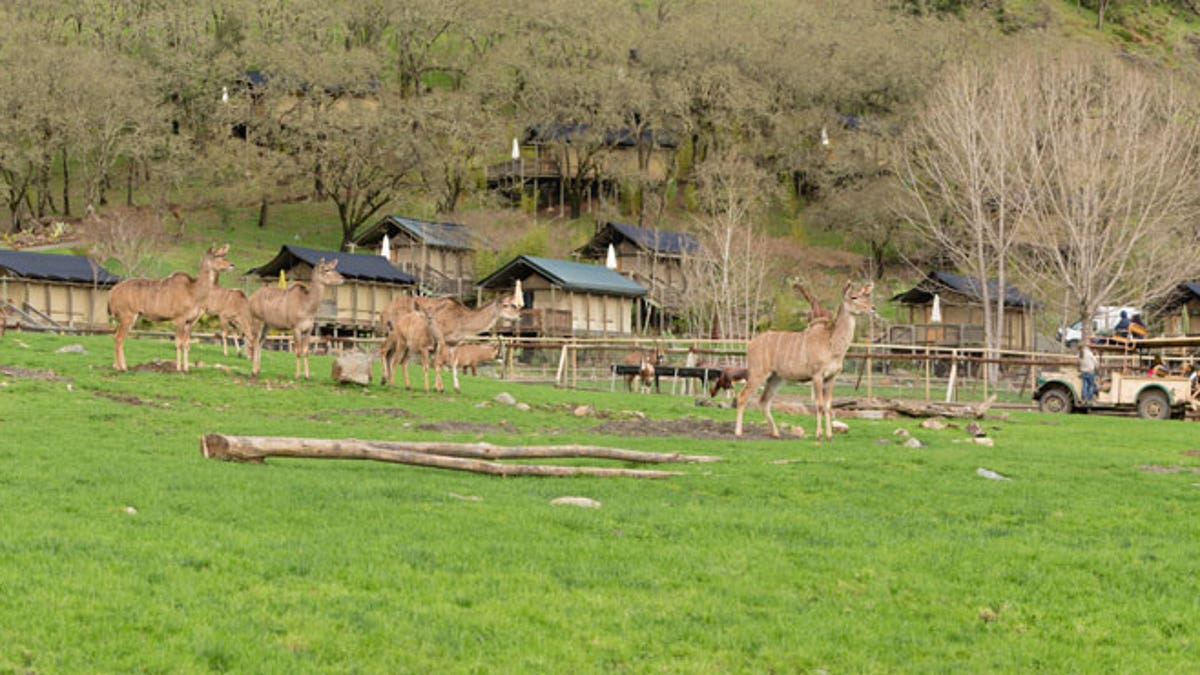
{"x":953,"y":376}
{"x":928,"y":374}
{"x":559,"y":377}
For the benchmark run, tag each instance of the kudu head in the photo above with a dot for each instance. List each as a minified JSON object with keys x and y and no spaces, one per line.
{"x":510,"y":305}
{"x":858,"y":301}
{"x":326,"y":274}
{"x":214,"y":262}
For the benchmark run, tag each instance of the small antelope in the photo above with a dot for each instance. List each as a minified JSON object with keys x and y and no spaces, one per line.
{"x":645,"y":360}
{"x":458,"y":322}
{"x":294,"y":307}
{"x":814,"y":355}
{"x":726,"y":380}
{"x":409,"y":332}
{"x":468,"y":356}
{"x":179,"y":298}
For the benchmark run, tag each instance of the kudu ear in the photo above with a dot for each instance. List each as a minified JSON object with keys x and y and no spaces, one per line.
{"x":847,"y":288}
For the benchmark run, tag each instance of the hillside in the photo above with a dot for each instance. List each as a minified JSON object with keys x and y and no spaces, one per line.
{"x":801,"y":129}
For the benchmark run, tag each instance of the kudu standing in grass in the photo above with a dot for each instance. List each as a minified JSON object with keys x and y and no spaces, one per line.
{"x":408,"y":326}
{"x":232,"y":310}
{"x":814,"y":355}
{"x":458,"y":322}
{"x":409,"y":332}
{"x":468,"y":356}
{"x":179,"y":298}
{"x":295,"y":308}
{"x":454,"y":321}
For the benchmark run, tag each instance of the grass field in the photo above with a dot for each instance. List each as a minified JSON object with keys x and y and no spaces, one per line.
{"x":125,"y":550}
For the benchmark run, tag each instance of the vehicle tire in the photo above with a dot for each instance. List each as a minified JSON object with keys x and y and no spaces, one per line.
{"x":1153,"y":405}
{"x":1072,"y":344}
{"x":1056,"y":400}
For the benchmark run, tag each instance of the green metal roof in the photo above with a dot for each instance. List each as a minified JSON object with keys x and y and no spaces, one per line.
{"x":565,"y":274}
{"x":430,"y":233}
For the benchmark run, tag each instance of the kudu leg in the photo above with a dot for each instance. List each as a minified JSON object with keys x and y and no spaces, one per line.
{"x":743,"y":397}
{"x":828,"y":406}
{"x":182,"y":337}
{"x":818,"y":386}
{"x":774,"y":382}
{"x":119,"y":336}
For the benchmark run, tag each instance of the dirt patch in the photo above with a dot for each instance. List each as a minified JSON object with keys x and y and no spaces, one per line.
{"x":32,"y":374}
{"x":455,"y":427}
{"x":130,"y":399}
{"x":1155,"y":468}
{"x":155,"y":366}
{"x":703,"y":429}
{"x":393,"y":413}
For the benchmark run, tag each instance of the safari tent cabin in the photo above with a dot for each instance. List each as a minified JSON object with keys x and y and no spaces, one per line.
{"x":564,"y":297}
{"x":959,"y":299}
{"x":653,"y":258}
{"x":371,"y":284}
{"x":1179,"y":312}
{"x":54,"y":291}
{"x":440,"y":255}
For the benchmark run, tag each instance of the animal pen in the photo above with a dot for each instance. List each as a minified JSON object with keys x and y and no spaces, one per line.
{"x":871,"y":370}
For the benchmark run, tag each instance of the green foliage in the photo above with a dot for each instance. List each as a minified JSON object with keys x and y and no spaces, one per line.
{"x":789,"y":556}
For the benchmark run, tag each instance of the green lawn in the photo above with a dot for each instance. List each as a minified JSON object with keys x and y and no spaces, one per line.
{"x":123,"y":549}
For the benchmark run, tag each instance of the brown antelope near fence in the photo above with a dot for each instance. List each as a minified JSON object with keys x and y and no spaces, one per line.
{"x":179,"y":298}
{"x":410,"y":332}
{"x":232,"y":309}
{"x":468,"y":356}
{"x":294,"y":308}
{"x":646,"y":360}
{"x":814,"y":355}
{"x":726,"y":380}
{"x":458,"y":323}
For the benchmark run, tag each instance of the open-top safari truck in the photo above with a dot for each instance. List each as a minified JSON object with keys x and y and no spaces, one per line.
{"x":1124,"y":380}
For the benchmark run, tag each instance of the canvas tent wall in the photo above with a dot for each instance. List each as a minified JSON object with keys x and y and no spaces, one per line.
{"x":371,"y":285}
{"x":51,"y":289}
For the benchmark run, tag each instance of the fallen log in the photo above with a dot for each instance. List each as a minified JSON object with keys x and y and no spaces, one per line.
{"x":438,"y":455}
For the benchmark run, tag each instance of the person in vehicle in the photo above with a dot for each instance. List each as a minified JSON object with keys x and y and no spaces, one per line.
{"x":1122,"y":327}
{"x":1137,"y":328}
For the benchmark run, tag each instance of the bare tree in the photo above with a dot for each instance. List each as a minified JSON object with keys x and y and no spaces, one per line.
{"x":1115,"y":179}
{"x":967,"y":173}
{"x":130,"y":237}
{"x":730,"y":279}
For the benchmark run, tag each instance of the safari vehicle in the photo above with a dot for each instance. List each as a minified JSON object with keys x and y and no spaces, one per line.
{"x":1127,"y":389}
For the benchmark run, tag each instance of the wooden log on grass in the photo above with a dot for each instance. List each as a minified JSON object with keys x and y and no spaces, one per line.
{"x":438,"y":455}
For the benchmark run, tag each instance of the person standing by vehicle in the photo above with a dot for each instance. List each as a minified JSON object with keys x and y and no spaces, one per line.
{"x":1087,"y":372}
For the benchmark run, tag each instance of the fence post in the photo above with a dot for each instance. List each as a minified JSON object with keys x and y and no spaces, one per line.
{"x":562,"y":365}
{"x":928,"y":373}
{"x":953,"y":375}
